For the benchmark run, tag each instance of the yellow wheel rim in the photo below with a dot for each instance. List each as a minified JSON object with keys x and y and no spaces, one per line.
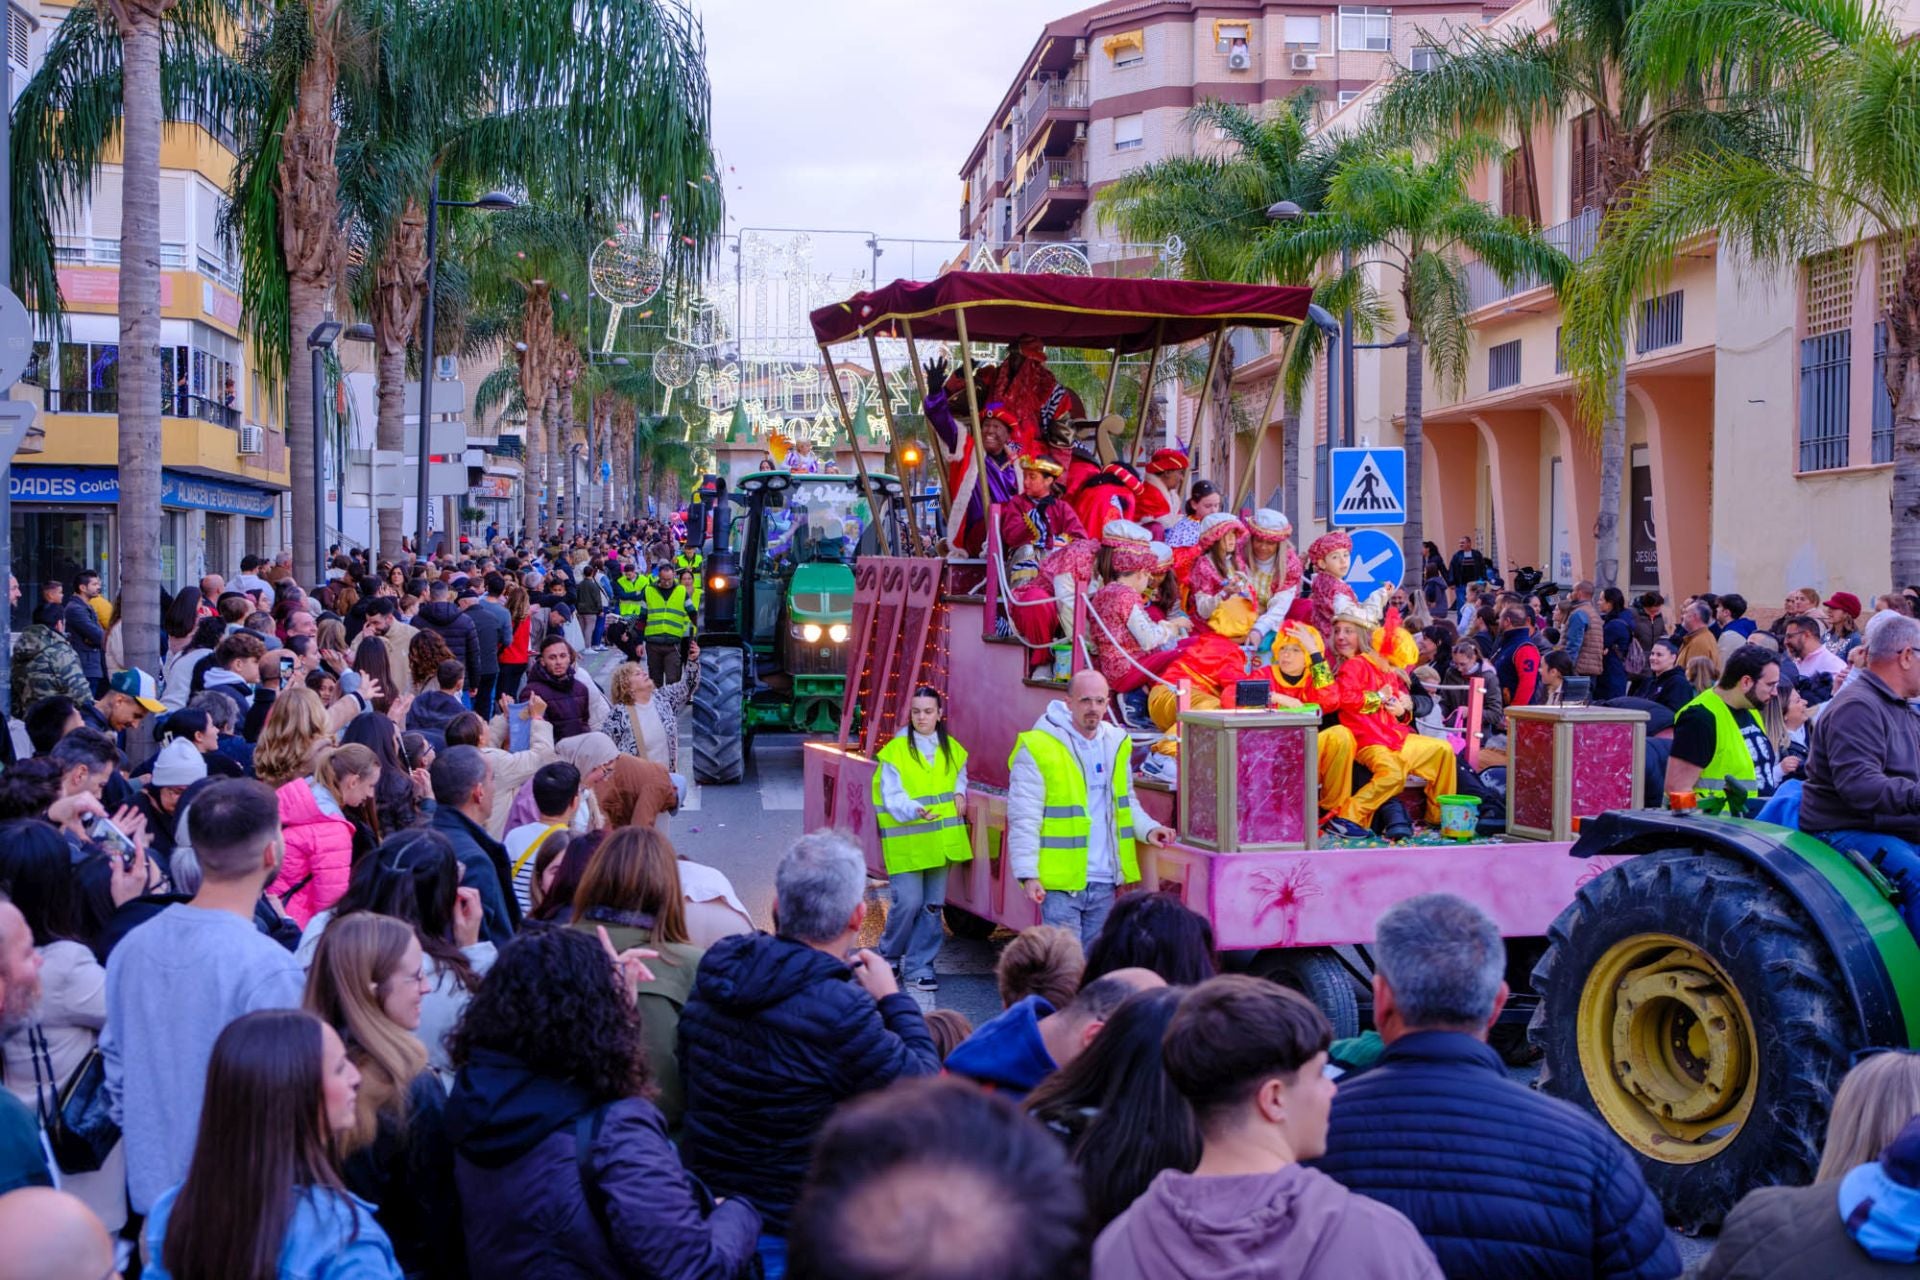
{"x":1667,"y":1048}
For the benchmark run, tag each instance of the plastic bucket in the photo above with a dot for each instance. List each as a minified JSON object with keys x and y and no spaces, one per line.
{"x":1459,"y":817}
{"x":1062,"y":659}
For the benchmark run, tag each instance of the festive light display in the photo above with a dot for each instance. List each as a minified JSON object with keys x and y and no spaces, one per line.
{"x":623,"y":271}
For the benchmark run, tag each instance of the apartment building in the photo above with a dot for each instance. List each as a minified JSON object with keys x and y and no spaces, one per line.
{"x":1759,"y":432}
{"x":1106,"y":89}
{"x":223,"y":440}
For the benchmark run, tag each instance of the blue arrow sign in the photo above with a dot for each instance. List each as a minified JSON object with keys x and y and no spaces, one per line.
{"x":1377,"y":560}
{"x":1369,"y":486}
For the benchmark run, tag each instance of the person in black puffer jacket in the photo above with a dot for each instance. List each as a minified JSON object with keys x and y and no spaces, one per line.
{"x":1500,"y":1180}
{"x":441,"y":615}
{"x":564,"y":1168}
{"x":779,"y":1030}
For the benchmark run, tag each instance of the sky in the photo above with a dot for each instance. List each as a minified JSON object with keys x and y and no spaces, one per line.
{"x":858,"y":114}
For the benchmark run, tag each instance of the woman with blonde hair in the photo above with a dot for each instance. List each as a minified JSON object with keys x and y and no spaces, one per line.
{"x":297,"y":727}
{"x":328,"y":823}
{"x":631,"y":890}
{"x":367,"y":984}
{"x":1702,"y":672}
{"x":1783,"y":1233}
{"x":645,"y":720}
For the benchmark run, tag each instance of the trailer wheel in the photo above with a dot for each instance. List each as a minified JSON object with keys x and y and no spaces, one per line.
{"x":1317,"y":974}
{"x":962,"y":923}
{"x":719,"y":743}
{"x":1690,"y":1004}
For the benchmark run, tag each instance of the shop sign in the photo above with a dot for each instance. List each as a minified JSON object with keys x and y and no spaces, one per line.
{"x":102,"y":485}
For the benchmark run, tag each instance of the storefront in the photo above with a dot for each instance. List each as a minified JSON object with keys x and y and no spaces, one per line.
{"x":66,"y":519}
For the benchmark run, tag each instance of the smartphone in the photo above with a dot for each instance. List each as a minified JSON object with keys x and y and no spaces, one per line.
{"x":114,"y":840}
{"x":286,"y":665}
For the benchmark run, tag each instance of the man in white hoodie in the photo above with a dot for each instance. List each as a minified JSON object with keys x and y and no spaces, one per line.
{"x":1071,"y":810}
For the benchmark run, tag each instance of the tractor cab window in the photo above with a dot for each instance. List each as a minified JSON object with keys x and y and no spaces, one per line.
{"x":813,"y":522}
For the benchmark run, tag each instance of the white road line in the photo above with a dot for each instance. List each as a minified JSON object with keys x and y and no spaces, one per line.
{"x":692,"y":802}
{"x":783,"y":795}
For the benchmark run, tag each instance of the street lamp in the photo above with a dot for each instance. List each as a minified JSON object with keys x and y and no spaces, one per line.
{"x":1288,"y":211}
{"x":491,"y":202}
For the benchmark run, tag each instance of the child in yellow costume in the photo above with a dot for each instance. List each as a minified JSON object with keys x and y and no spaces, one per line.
{"x":1301,"y":678}
{"x":1375,"y":705}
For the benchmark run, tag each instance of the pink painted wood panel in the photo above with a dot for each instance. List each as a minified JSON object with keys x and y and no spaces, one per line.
{"x":989,"y":702}
{"x":1200,"y":758}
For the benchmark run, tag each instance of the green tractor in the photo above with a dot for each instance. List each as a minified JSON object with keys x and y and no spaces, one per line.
{"x":777,"y":616}
{"x":1707,"y":989}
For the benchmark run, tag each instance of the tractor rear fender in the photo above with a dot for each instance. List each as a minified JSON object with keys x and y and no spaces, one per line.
{"x":1878,"y":957}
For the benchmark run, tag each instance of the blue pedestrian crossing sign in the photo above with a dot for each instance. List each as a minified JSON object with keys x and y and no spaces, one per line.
{"x":1369,"y":486}
{"x":1376,"y":561}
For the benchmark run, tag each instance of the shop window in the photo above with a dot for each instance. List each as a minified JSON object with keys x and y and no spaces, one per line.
{"x":1366,"y":28}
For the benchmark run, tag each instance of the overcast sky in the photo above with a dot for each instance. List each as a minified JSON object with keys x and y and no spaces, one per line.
{"x":857,"y":114}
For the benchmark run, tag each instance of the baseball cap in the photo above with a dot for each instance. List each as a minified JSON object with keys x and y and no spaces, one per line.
{"x":139,"y":686}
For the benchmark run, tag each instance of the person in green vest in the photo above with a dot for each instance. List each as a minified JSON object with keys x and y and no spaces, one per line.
{"x":1072,"y":815}
{"x":628,"y":590}
{"x":690,"y":560}
{"x":919,"y":799}
{"x":1717,"y":735}
{"x":668,"y":622}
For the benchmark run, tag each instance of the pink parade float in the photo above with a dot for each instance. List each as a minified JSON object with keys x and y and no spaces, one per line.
{"x":1247,"y":801}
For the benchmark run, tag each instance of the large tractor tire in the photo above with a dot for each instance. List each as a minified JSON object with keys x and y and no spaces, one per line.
{"x":1691,"y":1004}
{"x":719,"y":702}
{"x":1317,"y":974}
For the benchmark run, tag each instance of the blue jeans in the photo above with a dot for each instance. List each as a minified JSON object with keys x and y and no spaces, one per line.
{"x":1082,"y":911}
{"x":773,"y":1257}
{"x":1897,"y":859}
{"x":599,"y":636}
{"x":915,"y":926}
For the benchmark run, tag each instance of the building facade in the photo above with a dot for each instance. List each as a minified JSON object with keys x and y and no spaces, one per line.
{"x":224,"y":448}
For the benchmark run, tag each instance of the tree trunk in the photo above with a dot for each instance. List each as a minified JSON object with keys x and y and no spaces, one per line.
{"x":398,"y":295}
{"x":530,"y":483}
{"x":1613,"y":463}
{"x":139,"y":371}
{"x":309,"y":192}
{"x":551,"y":469}
{"x":1415,"y":533}
{"x":1903,"y":386}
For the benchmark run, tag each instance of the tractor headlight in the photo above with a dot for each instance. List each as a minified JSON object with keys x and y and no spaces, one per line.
{"x":810,"y":632}
{"x":839,"y":632}
{"x":718,"y":582}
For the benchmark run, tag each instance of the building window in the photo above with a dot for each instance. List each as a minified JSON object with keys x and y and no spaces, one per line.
{"x":1348,"y":95}
{"x":1366,"y":27}
{"x":1826,"y":360}
{"x":1128,"y":49}
{"x":89,"y":375}
{"x":1661,"y":321}
{"x":1128,"y":132}
{"x":1228,"y":34}
{"x":1584,"y":176}
{"x":1516,"y":193}
{"x":1423,"y":58}
{"x":1302,"y":29}
{"x":19,"y":44}
{"x":1503,"y":365}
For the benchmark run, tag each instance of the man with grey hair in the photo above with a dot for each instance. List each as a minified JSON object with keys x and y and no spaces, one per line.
{"x":1500,"y":1180}
{"x":780,"y":1029}
{"x":23,"y":1160}
{"x":1862,"y":776}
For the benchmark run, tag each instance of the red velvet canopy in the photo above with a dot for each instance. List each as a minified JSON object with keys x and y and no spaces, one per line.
{"x":1121,"y":314}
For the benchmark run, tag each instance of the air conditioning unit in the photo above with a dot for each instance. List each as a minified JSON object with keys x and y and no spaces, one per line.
{"x":1080,"y":47}
{"x":1080,"y":131}
{"x":1302,"y":62}
{"x":253,"y":439}
{"x":1238,"y":59}
{"x":446,"y":368}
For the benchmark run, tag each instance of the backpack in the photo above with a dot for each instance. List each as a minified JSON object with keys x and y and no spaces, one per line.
{"x":1635,"y":661}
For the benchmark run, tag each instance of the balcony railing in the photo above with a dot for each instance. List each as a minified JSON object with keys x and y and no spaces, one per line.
{"x":1574,"y":237}
{"x":1047,"y":177}
{"x":1052,"y":95}
{"x":71,"y":251}
{"x":179,"y":405}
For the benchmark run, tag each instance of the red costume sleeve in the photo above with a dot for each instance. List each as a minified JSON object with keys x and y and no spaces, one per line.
{"x":1014,"y":530}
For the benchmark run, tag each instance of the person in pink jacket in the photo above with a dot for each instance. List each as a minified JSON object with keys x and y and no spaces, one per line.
{"x":318,"y":832}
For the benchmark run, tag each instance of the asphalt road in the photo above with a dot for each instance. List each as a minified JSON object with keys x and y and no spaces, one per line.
{"x":743,"y":829}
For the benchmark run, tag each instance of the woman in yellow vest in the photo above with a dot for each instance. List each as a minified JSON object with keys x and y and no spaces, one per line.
{"x":919,"y":794}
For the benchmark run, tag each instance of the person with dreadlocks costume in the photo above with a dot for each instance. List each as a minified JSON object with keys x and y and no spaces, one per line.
{"x":1024,"y":385}
{"x":1376,"y":706}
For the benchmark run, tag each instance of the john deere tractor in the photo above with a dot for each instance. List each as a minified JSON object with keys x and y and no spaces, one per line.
{"x":1705,"y":992}
{"x":778,"y":608}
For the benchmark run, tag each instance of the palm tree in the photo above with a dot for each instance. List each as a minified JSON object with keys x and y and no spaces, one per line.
{"x":110,"y":76}
{"x":1413,"y":215}
{"x":1507,"y":82}
{"x":1216,"y":204}
{"x":1841,"y":75}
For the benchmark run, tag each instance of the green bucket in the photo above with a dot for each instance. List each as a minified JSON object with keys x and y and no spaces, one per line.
{"x":1459,"y":817}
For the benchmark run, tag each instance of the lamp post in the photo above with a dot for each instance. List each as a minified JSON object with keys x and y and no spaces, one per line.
{"x":493,"y":201}
{"x":319,"y":342}
{"x":361,"y":332}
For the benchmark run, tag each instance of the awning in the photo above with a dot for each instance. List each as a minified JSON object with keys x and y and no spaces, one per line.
{"x":1074,"y":311}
